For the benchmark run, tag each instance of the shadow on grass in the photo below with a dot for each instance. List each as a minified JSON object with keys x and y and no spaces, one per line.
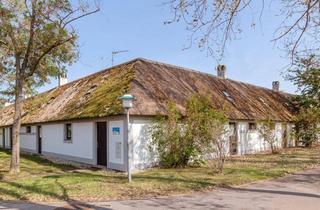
{"x":71,"y":203}
{"x":33,"y":164}
{"x":39,"y":160}
{"x":105,"y":178}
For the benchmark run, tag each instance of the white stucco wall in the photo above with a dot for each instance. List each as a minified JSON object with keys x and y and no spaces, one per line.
{"x":250,"y":141}
{"x":279,"y":129}
{"x":28,"y":141}
{"x":143,"y":155}
{"x":82,"y":140}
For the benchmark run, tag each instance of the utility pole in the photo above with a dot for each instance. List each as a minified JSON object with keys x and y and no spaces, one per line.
{"x":114,"y":53}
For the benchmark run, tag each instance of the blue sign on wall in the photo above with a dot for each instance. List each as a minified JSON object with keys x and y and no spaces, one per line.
{"x":116,"y":131}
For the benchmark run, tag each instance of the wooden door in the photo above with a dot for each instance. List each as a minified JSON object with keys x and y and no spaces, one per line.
{"x":233,"y":143}
{"x":39,"y":135}
{"x":102,"y":143}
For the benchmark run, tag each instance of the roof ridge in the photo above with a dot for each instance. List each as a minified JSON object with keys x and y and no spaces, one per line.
{"x":208,"y":74}
{"x":90,"y":75}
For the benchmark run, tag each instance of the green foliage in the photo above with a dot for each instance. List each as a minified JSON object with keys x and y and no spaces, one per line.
{"x":267,"y":132}
{"x":33,"y":35}
{"x":308,"y":126}
{"x":184,"y":140}
{"x":206,"y":129}
{"x":306,"y":75}
{"x":168,"y":136}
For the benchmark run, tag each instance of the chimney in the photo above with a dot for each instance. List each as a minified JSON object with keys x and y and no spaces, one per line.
{"x":62,"y":79}
{"x":7,"y":104}
{"x":222,"y":71}
{"x":275,"y":85}
{"x":26,"y":94}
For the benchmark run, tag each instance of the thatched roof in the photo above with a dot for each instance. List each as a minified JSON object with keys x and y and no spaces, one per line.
{"x":153,"y":84}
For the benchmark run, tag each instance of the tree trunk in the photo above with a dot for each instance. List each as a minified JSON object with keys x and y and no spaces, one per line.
{"x":15,"y":158}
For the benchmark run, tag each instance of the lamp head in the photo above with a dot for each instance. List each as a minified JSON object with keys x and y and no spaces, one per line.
{"x":127,"y":101}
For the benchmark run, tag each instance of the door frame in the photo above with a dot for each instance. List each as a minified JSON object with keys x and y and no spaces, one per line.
{"x":235,"y":136}
{"x":39,"y":139}
{"x":106,"y":143}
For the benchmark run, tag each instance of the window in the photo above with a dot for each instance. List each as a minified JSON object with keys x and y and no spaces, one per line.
{"x":28,"y":129}
{"x":263,"y":101}
{"x":232,"y":127}
{"x":68,"y":132}
{"x":227,"y":95}
{"x":252,"y":126}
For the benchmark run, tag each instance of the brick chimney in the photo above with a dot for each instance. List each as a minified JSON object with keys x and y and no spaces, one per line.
{"x":275,"y":85}
{"x":222,"y":71}
{"x":62,"y":79}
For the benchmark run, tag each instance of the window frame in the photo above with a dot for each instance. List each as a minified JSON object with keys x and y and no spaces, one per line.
{"x":67,"y":129}
{"x":28,"y":129}
{"x":252,"y":126}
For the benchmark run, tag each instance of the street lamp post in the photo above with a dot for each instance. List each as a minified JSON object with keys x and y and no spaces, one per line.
{"x":127,"y":104}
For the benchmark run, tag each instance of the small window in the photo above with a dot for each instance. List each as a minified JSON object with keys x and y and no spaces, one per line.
{"x":263,"y":101}
{"x":68,"y":132}
{"x":227,"y":95}
{"x":28,"y":129}
{"x":252,"y":126}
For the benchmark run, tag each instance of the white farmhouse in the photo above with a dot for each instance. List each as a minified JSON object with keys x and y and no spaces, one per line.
{"x":84,"y":121}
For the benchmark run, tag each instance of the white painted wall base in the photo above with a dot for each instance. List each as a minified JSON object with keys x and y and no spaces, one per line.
{"x":143,"y":155}
{"x":28,"y":141}
{"x":83,"y":147}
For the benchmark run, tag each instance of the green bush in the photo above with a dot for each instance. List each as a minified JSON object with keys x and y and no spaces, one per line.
{"x":182,"y":140}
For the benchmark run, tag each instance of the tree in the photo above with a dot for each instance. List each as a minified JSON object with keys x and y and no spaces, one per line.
{"x":181,"y":140}
{"x":206,"y":129}
{"x":215,"y":22}
{"x":219,"y":138}
{"x":167,"y":135}
{"x":267,"y":131}
{"x":307,"y":129}
{"x":37,"y":40}
{"x":306,"y":75}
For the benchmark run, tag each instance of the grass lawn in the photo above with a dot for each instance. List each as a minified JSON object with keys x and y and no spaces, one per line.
{"x":41,"y":180}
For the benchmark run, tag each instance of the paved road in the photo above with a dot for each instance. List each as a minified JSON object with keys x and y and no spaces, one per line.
{"x":299,"y":191}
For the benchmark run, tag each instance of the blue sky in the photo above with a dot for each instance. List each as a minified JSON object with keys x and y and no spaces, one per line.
{"x":138,"y":26}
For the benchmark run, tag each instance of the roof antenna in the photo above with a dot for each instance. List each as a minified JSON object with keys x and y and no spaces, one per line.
{"x":114,"y":53}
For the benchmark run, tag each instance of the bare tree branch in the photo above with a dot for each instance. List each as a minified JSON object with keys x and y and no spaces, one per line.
{"x":35,"y":64}
{"x":80,"y":16}
{"x":213,"y":23}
